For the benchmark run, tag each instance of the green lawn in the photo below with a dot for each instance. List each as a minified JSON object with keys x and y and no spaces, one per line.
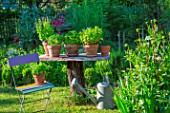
{"x":60,"y":97}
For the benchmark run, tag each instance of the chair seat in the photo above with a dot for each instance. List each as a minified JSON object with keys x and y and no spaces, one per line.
{"x":29,"y":88}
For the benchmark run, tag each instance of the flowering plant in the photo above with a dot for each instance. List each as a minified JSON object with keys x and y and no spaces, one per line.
{"x":60,"y":21}
{"x":60,"y":25}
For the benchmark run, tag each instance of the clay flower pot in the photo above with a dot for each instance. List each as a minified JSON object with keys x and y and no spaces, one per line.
{"x":91,"y":50}
{"x":45,"y":48}
{"x":39,"y":79}
{"x":54,"y":51}
{"x":104,"y":50}
{"x":72,"y":49}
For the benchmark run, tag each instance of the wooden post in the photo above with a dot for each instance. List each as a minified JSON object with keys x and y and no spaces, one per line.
{"x":119,"y":40}
{"x":123,"y":40}
{"x":142,"y":32}
{"x":75,"y":70}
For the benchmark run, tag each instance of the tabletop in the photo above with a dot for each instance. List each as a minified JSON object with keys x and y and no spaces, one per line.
{"x":80,"y":57}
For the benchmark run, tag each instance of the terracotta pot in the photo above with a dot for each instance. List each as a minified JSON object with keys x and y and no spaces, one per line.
{"x":39,"y":79}
{"x":54,"y":51}
{"x":45,"y":48}
{"x":72,"y":49}
{"x":91,"y":50}
{"x":104,"y":50}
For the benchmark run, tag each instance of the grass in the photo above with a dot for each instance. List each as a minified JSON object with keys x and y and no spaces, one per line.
{"x":60,"y":98}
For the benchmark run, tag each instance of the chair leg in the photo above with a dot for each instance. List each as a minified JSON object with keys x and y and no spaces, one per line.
{"x":48,"y":95}
{"x":21,"y":103}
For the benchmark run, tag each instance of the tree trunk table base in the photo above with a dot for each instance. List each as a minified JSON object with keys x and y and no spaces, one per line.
{"x":75,"y":70}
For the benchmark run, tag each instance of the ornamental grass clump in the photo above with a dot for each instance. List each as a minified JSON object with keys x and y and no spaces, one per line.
{"x":144,"y":86}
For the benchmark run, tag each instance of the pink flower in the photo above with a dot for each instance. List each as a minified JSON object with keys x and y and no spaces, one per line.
{"x":16,"y":39}
{"x":52,"y":21}
{"x":59,"y":33}
{"x":57,"y":23}
{"x":62,"y":17}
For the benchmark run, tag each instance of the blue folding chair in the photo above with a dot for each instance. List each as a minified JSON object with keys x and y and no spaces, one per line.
{"x":29,"y":88}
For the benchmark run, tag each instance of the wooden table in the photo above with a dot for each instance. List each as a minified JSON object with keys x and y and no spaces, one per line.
{"x":75,"y":66}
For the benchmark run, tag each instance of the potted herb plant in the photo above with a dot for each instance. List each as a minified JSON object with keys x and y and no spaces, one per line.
{"x":90,"y":37}
{"x":105,"y":47}
{"x":54,"y":45}
{"x":72,"y":43}
{"x":44,"y":30}
{"x":38,"y":71}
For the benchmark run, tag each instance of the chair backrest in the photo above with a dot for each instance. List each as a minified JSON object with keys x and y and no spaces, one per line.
{"x":19,"y":60}
{"x":25,"y":59}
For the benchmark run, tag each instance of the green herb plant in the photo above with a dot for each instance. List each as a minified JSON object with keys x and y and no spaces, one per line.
{"x":38,"y":68}
{"x":144,"y":86}
{"x":72,"y":37}
{"x":44,"y":29}
{"x":91,"y":35}
{"x":55,"y":39}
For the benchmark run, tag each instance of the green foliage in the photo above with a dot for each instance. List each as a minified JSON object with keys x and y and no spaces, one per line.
{"x":103,"y":68}
{"x":90,"y":77}
{"x":22,"y":74}
{"x":123,"y":17}
{"x":6,"y":73}
{"x":72,"y":37}
{"x":38,"y":68}
{"x":89,"y":14}
{"x":165,"y":14}
{"x":107,"y":42}
{"x":44,"y":29}
{"x":91,"y":35}
{"x":25,"y":29}
{"x":57,"y":73}
{"x":55,"y":39}
{"x":145,"y":86}
{"x":79,"y":99}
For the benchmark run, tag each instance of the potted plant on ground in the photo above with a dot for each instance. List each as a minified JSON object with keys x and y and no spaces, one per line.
{"x":72,"y":43}
{"x":44,"y":30}
{"x":38,"y":71}
{"x":90,"y":37}
{"x":54,"y":45}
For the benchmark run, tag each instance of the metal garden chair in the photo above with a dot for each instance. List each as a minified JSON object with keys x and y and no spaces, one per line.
{"x":29,"y":88}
